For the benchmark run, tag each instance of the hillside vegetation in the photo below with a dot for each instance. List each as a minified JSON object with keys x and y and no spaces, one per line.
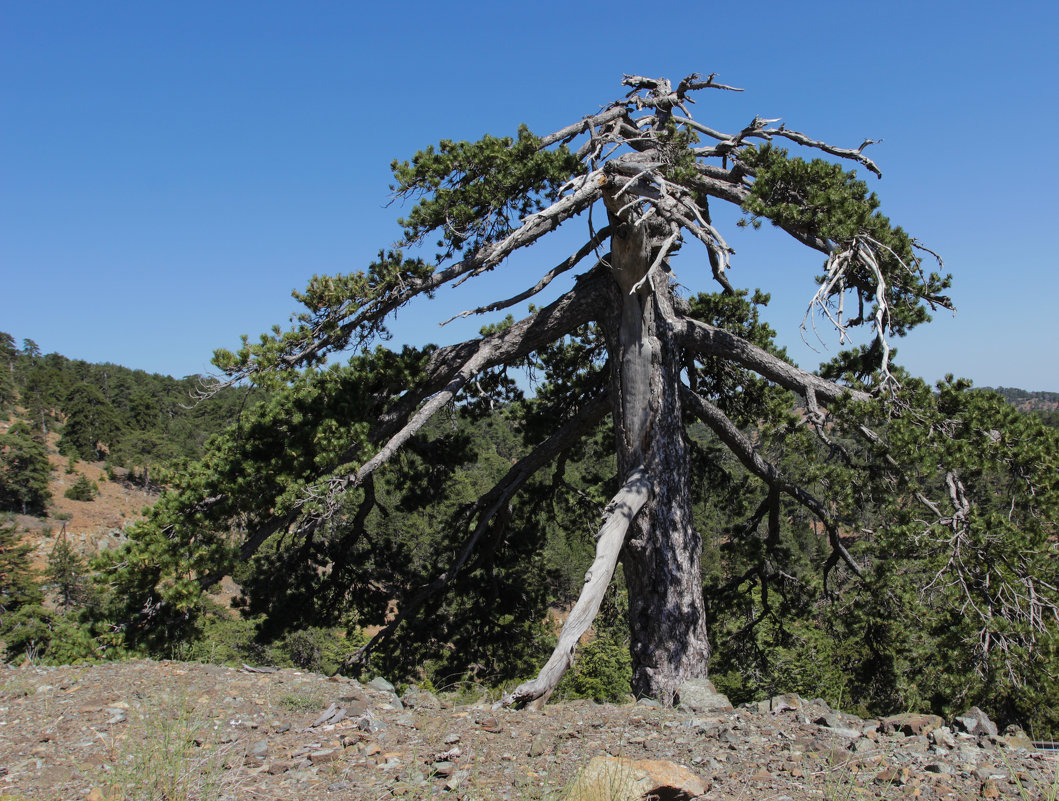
{"x":891,"y":642}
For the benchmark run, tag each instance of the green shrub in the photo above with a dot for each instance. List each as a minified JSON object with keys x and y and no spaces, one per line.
{"x":45,"y":636}
{"x":602,"y":672}
{"x":82,"y":490}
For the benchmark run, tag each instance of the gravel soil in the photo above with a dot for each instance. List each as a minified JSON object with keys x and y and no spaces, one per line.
{"x":147,"y":731}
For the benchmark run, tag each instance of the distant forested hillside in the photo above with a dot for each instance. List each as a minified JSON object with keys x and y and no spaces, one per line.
{"x":100,"y":412}
{"x":1043,"y":404}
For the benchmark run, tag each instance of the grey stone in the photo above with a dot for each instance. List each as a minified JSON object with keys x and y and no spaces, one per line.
{"x":325,"y":756}
{"x":911,"y":723}
{"x":379,"y":683}
{"x":943,"y":736}
{"x":539,"y":745}
{"x":1014,"y":737}
{"x":975,"y":721}
{"x":862,"y":745}
{"x":444,"y":769}
{"x":418,"y":698}
{"x":699,"y":695}
{"x":987,"y":772}
{"x":916,"y":744}
{"x":844,"y":732}
{"x":787,"y":701}
{"x":259,"y":750}
{"x":454,"y":781}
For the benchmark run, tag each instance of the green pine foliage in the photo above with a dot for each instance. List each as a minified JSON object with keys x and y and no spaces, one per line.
{"x":45,"y":636}
{"x":24,"y":472}
{"x":67,"y":575}
{"x":820,"y":199}
{"x":83,"y":489}
{"x":18,"y":584}
{"x":949,"y":614}
{"x":90,"y":423}
{"x":129,"y":417}
{"x":472,"y":193}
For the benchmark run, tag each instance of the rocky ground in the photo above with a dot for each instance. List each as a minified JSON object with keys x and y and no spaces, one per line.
{"x":164,"y":730}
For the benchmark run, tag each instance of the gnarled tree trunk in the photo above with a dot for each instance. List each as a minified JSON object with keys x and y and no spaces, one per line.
{"x":662,"y":548}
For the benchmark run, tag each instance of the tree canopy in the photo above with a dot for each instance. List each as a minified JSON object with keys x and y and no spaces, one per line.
{"x":672,"y":419}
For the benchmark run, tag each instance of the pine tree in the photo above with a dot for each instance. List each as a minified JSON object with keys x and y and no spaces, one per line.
{"x":67,"y":573}
{"x":91,"y":423}
{"x":622,"y":357}
{"x":24,"y":472}
{"x":18,"y":585}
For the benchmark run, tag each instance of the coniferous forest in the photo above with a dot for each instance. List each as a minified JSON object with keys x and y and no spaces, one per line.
{"x":898,"y":638}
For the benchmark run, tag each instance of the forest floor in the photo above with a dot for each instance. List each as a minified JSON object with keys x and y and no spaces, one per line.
{"x":142,"y":730}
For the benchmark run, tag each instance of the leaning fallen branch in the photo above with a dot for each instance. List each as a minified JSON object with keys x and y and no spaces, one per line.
{"x":619,"y":516}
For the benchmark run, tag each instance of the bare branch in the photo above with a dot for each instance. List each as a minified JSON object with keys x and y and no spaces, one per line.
{"x":567,"y":264}
{"x":456,"y":365}
{"x":841,"y":152}
{"x":338,"y":326}
{"x":619,"y":516}
{"x":709,"y":340}
{"x":584,"y":126}
{"x":740,"y":445}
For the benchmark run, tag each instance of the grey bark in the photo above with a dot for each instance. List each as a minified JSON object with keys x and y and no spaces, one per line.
{"x":661,"y":556}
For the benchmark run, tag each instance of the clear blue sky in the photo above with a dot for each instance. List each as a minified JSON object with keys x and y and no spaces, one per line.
{"x":170,"y":171}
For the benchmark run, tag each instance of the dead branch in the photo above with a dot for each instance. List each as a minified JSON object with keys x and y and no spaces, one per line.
{"x":709,"y":340}
{"x":619,"y":516}
{"x":568,"y":263}
{"x":338,"y":326}
{"x":458,"y":364}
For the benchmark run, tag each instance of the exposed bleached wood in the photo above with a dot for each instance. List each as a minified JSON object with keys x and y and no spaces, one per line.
{"x":620,"y":513}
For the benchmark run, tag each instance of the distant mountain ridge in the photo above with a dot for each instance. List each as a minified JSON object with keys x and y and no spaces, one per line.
{"x":1026,"y":401}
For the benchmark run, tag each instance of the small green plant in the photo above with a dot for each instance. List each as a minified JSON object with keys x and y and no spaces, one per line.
{"x":302,"y":701}
{"x":82,"y":490}
{"x":162,"y":759}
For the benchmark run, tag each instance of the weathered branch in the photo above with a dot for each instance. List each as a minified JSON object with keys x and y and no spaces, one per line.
{"x":450,"y":369}
{"x":335,"y":330}
{"x":584,"y":126}
{"x":619,"y":516}
{"x":458,"y":364}
{"x":757,"y":130}
{"x":740,"y":445}
{"x":709,"y":340}
{"x":567,"y":264}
